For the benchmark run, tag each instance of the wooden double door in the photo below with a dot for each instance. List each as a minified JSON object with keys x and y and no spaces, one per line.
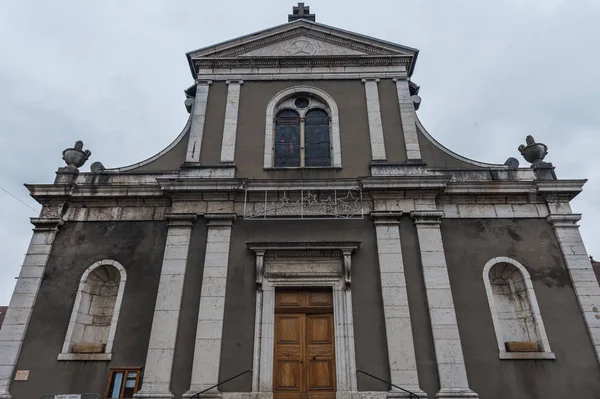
{"x":304,"y":363}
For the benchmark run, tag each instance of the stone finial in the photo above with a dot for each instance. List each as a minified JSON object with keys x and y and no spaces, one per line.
{"x":97,"y":167}
{"x":189,"y":103}
{"x":301,"y":12}
{"x":533,"y":152}
{"x":512,"y":163}
{"x":76,"y":157}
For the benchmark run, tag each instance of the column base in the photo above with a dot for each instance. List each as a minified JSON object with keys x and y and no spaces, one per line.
{"x":4,"y":395}
{"x":456,"y":393}
{"x":402,"y":394}
{"x":153,"y":395}
{"x":212,"y":394}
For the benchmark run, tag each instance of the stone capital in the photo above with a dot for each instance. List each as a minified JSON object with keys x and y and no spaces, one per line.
{"x":46,"y":224}
{"x":564,"y":220}
{"x":203,"y":82}
{"x":386,"y":217}
{"x":400,"y":79}
{"x":235,"y":81}
{"x":180,"y":219}
{"x":427,"y":218}
{"x":220,"y":219}
{"x":365,"y":80}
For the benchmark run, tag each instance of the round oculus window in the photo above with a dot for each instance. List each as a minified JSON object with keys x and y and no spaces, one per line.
{"x":301,"y":102}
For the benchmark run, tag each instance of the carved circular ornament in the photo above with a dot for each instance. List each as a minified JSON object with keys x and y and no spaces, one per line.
{"x":301,"y":47}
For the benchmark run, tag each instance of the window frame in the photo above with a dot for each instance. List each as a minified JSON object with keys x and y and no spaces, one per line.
{"x":328,"y":105}
{"x":546,"y":352}
{"x":66,"y":353}
{"x":125,"y":370}
{"x":302,"y":112}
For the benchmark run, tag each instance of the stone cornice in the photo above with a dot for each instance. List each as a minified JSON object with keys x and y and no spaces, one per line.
{"x":560,"y":190}
{"x":292,"y":246}
{"x":427,"y":185}
{"x":302,"y":62}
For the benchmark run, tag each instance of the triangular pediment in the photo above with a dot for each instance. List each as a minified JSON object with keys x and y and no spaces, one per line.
{"x":303,"y":38}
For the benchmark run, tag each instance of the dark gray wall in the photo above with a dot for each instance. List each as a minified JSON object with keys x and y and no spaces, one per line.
{"x":354,"y":130}
{"x":436,"y":158}
{"x":469,"y":245}
{"x":139,"y":247}
{"x":170,"y":161}
{"x":210,"y":152}
{"x":395,"y":149}
{"x":369,"y":325}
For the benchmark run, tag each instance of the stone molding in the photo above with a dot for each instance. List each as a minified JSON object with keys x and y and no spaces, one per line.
{"x":535,"y":309}
{"x":334,"y":131}
{"x":581,"y":272}
{"x":262,"y":378}
{"x":107,"y":355}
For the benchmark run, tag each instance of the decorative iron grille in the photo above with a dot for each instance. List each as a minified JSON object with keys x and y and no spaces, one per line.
{"x":303,"y":204}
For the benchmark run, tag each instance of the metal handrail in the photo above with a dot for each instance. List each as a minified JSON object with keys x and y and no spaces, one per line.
{"x":412,"y":394}
{"x":197,"y":395}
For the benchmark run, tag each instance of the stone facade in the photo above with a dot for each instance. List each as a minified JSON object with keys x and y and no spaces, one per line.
{"x":449,"y":277}
{"x":3,"y":310}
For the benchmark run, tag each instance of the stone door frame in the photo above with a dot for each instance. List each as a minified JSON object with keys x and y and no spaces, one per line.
{"x":337,"y":278}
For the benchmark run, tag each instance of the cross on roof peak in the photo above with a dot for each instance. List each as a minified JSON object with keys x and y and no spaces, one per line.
{"x":301,"y":12}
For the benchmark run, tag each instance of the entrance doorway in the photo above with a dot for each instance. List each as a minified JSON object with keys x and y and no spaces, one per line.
{"x":304,"y":355}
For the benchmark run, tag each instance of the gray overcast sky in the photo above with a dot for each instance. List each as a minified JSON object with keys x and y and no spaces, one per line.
{"x":112,"y":73}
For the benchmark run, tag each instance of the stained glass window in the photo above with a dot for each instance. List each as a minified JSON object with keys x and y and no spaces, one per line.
{"x":316,"y":138}
{"x":302,"y":133}
{"x":287,"y":138}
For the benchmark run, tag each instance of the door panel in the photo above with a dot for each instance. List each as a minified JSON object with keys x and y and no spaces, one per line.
{"x":304,"y":345}
{"x":320,"y":354}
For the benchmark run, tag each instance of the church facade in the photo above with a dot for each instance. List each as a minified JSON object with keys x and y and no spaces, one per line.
{"x":304,"y":237}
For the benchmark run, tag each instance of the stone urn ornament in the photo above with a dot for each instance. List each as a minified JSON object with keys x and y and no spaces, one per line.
{"x":533,"y":152}
{"x":76,"y":157}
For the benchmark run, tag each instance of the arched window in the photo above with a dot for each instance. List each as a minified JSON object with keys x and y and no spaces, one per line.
{"x":302,"y":129}
{"x":518,"y":324}
{"x":93,"y":323}
{"x":287,"y":138}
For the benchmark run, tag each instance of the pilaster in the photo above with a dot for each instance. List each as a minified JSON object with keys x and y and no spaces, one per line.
{"x":581,"y":272}
{"x":444,"y":326}
{"x":400,"y":342}
{"x":231,"y":120}
{"x":198,"y":118}
{"x":374,"y":117}
{"x":209,"y":332}
{"x":24,"y":296}
{"x":407,"y":116}
{"x":161,"y":348}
